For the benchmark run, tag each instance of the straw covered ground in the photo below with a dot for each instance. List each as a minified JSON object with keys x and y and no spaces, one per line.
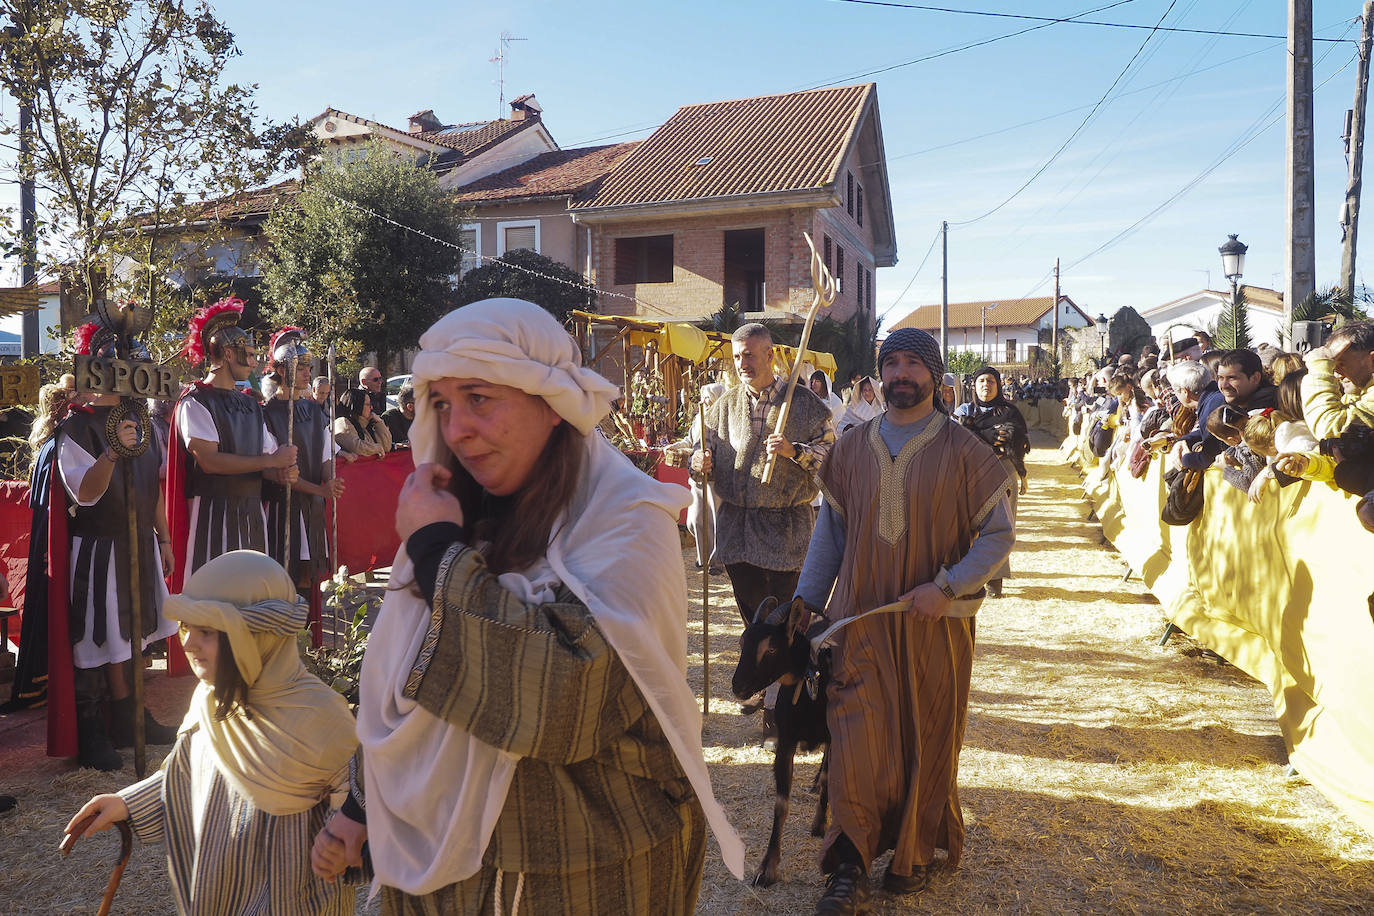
{"x":1100,"y":774}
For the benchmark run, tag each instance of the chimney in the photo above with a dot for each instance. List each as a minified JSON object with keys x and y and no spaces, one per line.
{"x":423,"y":121}
{"x":525,"y":108}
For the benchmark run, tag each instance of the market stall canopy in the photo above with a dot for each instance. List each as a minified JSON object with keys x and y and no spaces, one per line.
{"x":15,"y":300}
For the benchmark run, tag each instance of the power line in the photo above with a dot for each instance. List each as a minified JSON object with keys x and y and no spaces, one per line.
{"x":1077,"y":130}
{"x":1232,"y":149}
{"x":900,"y":296}
{"x":966,"y":47}
{"x":1075,"y":20}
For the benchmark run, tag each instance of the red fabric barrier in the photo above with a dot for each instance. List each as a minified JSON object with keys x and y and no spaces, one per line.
{"x":15,"y":520}
{"x":367,"y":509}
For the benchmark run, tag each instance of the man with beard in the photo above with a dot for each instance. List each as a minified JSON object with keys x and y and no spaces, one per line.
{"x":315,"y":450}
{"x":915,"y":515}
{"x":762,"y":528}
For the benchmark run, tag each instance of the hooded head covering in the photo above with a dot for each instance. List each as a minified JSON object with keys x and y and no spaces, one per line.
{"x":434,"y":791}
{"x":292,"y":748}
{"x":1000,"y":398}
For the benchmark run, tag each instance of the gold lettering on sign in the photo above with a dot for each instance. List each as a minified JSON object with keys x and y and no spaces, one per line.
{"x":126,"y":378}
{"x":18,"y":385}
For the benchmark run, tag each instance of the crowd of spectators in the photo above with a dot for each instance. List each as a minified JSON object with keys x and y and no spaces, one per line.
{"x":1264,"y":417}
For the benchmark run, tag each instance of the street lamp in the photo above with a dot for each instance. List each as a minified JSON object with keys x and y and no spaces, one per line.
{"x":1233,"y":265}
{"x":1102,"y":324}
{"x":984,"y":344}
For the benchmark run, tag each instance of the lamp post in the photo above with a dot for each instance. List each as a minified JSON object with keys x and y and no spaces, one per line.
{"x":1102,"y":325}
{"x":1232,"y":266}
{"x":984,"y":343}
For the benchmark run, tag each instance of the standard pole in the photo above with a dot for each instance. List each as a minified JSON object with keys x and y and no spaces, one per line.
{"x":135,"y":618}
{"x":1353,"y":185}
{"x":983,"y":342}
{"x":944,"y":289}
{"x":334,"y":500}
{"x":1300,"y":258}
{"x":1054,"y":332}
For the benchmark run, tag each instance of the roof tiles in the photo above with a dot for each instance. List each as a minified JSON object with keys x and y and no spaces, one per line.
{"x":769,"y":144}
{"x":553,"y":174}
{"x":1008,"y":313}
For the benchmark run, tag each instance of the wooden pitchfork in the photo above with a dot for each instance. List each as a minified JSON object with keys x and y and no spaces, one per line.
{"x":126,"y":847}
{"x":824,"y":284}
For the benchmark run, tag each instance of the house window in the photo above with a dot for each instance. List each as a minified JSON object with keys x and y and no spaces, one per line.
{"x":839,"y":269}
{"x":470,"y":240}
{"x":859,"y":204}
{"x":513,"y":235}
{"x":1011,"y":349}
{"x":859,"y":285}
{"x":849,"y":193}
{"x":828,"y":246}
{"x":644,"y":259}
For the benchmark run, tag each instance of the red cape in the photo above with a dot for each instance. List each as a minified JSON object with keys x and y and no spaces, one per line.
{"x":61,"y":671}
{"x":178,"y":525}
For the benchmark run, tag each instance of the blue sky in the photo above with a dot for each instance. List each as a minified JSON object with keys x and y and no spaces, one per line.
{"x":955,"y":127}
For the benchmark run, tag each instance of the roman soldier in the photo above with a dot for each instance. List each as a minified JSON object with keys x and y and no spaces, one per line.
{"x":91,"y":618}
{"x":220,"y":450}
{"x":315,"y":451}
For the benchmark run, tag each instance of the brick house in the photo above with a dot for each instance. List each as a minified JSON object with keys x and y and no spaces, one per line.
{"x":710,"y":209}
{"x":1013,"y":327}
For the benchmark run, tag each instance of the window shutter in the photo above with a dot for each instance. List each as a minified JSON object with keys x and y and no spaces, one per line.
{"x":520,"y":237}
{"x":839,"y":269}
{"x":859,"y":204}
{"x":859,"y":286}
{"x":849,"y":193}
{"x":828,"y":245}
{"x":467,"y":240}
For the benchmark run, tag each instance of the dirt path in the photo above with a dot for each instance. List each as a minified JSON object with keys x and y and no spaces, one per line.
{"x":1099,"y":775}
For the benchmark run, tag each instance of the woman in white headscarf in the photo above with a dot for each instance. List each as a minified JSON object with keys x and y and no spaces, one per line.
{"x":865,"y":403}
{"x":263,"y":747}
{"x":529,"y":741}
{"x":820,"y":387}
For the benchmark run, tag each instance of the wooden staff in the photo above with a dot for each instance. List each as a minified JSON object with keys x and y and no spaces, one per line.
{"x":706,"y":548}
{"x":126,"y":846}
{"x":290,"y":440}
{"x":334,"y":513}
{"x":824,"y":285}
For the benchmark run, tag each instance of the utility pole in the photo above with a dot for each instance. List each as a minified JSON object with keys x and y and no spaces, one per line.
{"x":1350,"y":216}
{"x":1300,"y":258}
{"x":944,"y":290}
{"x":1054,"y":333}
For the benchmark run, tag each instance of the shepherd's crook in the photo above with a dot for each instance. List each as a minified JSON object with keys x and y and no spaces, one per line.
{"x":126,"y":847}
{"x":824,"y":285}
{"x":705,"y":549}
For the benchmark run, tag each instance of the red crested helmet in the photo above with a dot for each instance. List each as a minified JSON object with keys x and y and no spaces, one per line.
{"x":215,"y":326}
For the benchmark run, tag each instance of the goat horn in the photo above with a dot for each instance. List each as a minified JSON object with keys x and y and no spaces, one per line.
{"x":766,"y":609}
{"x":779,"y":612}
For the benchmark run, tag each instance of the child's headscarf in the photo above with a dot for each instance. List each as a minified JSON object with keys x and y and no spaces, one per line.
{"x":298,"y":736}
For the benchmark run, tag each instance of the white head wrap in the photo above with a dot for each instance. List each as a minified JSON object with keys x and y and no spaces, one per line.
{"x":433,"y":791}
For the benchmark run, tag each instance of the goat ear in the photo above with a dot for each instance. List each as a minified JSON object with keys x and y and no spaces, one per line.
{"x":765,"y":608}
{"x":797,"y":618}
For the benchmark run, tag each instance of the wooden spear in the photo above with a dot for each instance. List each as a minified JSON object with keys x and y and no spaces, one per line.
{"x":824,"y":285}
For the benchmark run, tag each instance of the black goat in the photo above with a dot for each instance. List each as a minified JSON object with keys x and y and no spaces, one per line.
{"x":775,"y":648}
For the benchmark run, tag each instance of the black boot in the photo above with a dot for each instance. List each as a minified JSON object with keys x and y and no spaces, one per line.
{"x":94,"y":749}
{"x":846,"y":892}
{"x":122,"y":726}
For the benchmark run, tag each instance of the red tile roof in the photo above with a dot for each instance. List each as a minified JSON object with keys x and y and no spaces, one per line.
{"x":553,"y":174}
{"x":762,"y":145}
{"x":1009,"y":313}
{"x":473,"y":137}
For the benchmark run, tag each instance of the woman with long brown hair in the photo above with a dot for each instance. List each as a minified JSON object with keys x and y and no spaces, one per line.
{"x":527,"y":732}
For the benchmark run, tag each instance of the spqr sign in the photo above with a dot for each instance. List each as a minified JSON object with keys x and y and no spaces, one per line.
{"x":18,"y":385}
{"x":127,"y":378}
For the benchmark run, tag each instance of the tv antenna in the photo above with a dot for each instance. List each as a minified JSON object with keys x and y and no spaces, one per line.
{"x":502,"y":49}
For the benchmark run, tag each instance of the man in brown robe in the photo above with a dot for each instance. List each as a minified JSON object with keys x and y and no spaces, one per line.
{"x":915,"y":512}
